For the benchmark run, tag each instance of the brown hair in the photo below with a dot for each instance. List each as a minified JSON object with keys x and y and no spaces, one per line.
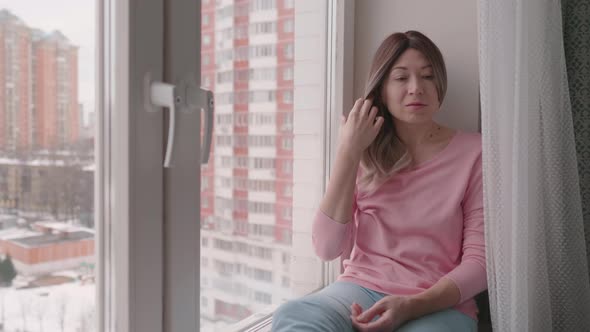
{"x":386,"y":155}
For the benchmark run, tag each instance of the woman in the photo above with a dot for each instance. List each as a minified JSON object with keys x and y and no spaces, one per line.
{"x":405,"y":200}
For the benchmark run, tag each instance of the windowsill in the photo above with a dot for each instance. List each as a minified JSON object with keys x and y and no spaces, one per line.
{"x":258,"y":322}
{"x":261,"y":321}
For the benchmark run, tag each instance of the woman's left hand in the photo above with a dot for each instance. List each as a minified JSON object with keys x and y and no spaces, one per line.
{"x":393,"y":311}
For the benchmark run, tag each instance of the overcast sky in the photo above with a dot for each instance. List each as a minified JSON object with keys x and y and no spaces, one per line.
{"x":76,"y":19}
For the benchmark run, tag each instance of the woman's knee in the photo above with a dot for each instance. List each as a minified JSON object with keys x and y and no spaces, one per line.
{"x":291,"y":316}
{"x":288,"y":310}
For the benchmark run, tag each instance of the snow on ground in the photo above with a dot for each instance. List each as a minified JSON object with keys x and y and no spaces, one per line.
{"x":68,"y":307}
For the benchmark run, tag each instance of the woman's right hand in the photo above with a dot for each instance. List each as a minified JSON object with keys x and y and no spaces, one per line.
{"x":356,"y":134}
{"x":359,"y":130}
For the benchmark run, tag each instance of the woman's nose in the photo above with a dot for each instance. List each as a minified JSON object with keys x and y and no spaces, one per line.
{"x":415,"y":86}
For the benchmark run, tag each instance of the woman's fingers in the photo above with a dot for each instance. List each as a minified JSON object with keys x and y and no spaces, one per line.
{"x":359,"y":308}
{"x":361,"y":126}
{"x":383,"y":323}
{"x":354,"y":310}
{"x":377,"y":309}
{"x":366,"y":107}
{"x":373,"y":113}
{"x":378,"y":123}
{"x":356,"y":107}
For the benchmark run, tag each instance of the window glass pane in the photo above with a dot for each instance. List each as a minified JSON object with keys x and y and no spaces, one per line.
{"x":264,"y":181}
{"x":47,"y":119}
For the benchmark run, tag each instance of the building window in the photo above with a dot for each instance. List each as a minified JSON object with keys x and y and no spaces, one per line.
{"x":288,"y":4}
{"x":288,"y":190}
{"x":288,"y":97}
{"x":288,"y":74}
{"x":288,"y":51}
{"x":288,"y":143}
{"x":263,"y":28}
{"x":206,"y":40}
{"x":242,"y":32}
{"x":206,"y":81}
{"x":287,"y":237}
{"x":262,"y":297}
{"x":286,"y":259}
{"x":205,"y":19}
{"x":288,"y":26}
{"x":287,"y":166}
{"x":287,"y":213}
{"x":287,"y":122}
{"x":258,"y":5}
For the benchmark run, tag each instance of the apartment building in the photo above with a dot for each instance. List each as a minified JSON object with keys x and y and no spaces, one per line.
{"x":246,"y":203}
{"x":38,"y":87}
{"x":16,"y":115}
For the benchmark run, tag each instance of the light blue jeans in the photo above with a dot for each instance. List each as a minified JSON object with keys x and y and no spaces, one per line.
{"x":329,"y":310}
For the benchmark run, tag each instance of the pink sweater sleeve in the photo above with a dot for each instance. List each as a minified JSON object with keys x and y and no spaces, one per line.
{"x":470,"y":275}
{"x":330,"y":238}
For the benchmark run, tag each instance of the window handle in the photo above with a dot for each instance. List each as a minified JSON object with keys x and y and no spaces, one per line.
{"x":174,"y":97}
{"x":163,"y":95}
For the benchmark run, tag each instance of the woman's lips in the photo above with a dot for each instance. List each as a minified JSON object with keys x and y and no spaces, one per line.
{"x":415,"y":107}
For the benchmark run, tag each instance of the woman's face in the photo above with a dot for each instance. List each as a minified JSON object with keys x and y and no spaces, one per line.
{"x":409,"y":92}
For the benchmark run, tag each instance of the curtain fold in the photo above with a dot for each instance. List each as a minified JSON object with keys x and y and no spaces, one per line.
{"x":536,"y":252}
{"x":576,"y":38}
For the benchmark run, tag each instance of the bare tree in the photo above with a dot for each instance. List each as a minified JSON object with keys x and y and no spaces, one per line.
{"x":40,"y":313}
{"x":86,"y":320}
{"x":2,"y":313}
{"x":25,"y":305}
{"x":61,"y":312}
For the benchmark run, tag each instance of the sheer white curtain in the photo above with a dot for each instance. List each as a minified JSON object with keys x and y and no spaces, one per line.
{"x":537,"y":269}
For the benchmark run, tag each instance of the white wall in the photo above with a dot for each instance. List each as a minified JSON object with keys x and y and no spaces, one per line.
{"x":451,"y":24}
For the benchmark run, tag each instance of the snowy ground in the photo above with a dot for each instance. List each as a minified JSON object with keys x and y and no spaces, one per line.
{"x":68,"y":307}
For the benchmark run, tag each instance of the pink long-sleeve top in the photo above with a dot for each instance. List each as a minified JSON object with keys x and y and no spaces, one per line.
{"x":421,"y":225}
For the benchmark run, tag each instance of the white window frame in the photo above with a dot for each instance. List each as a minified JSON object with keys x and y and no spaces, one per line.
{"x":137,"y":258}
{"x":341,"y":90}
{"x":130,"y":204}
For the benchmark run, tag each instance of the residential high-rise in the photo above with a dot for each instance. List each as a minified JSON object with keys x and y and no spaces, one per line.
{"x":15,"y":83}
{"x":55,"y":90}
{"x":38,"y":87}
{"x":246,"y":202}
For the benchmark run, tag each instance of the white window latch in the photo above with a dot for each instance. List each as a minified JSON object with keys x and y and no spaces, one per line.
{"x":183,"y":95}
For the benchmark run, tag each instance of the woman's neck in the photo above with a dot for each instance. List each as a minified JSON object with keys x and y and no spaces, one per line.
{"x":414,"y":135}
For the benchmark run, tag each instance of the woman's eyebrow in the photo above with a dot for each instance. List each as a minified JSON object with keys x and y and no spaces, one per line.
{"x":405,"y":68}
